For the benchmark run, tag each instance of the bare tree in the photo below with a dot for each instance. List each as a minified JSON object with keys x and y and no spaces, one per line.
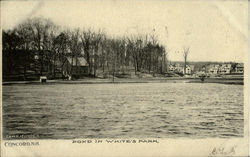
{"x":41,"y":31}
{"x":35,"y":35}
{"x":91,"y":44}
{"x":61,"y":45}
{"x":96,"y":45}
{"x":75,"y":50}
{"x":86,"y":44}
{"x":185,"y":55}
{"x":167,"y":50}
{"x":44,"y":47}
{"x":133,"y":51}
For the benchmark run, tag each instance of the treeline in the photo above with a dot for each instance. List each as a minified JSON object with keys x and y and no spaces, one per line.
{"x":50,"y":45}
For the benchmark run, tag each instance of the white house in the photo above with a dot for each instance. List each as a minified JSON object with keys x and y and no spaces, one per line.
{"x":171,"y":68}
{"x":214,"y":69}
{"x":239,"y":68}
{"x":225,"y":69}
{"x":188,"y":70}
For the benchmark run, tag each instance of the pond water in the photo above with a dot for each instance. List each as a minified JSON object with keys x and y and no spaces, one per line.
{"x":136,"y":110}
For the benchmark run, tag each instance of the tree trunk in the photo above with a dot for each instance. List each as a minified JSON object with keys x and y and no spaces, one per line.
{"x":95,"y":66}
{"x":114,"y":70}
{"x":54,"y":67}
{"x":76,"y":68}
{"x":103,"y":65}
{"x":41,"y":62}
{"x":135,"y":65}
{"x":185,"y":60}
{"x":72,"y":63}
{"x":25,"y":65}
{"x":149,"y":67}
{"x":108,"y":66}
{"x":103,"y":61}
{"x":24,"y":71}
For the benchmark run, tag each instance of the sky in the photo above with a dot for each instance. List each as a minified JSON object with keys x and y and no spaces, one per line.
{"x":215,"y":30}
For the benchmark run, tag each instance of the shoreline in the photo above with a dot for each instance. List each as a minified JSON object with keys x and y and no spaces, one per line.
{"x":235,"y":81}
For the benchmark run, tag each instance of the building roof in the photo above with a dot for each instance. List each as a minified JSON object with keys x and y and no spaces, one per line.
{"x":192,"y":67}
{"x":80,"y":61}
{"x":240,"y":65}
{"x":226,"y":65}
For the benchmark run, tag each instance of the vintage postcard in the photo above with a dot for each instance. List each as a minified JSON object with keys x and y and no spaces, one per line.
{"x":124,"y":78}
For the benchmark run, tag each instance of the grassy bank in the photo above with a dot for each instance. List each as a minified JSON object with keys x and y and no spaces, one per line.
{"x":239,"y":81}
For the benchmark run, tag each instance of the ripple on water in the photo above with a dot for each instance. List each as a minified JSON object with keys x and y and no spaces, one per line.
{"x":165,"y":110}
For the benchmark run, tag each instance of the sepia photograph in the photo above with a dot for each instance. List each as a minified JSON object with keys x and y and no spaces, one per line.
{"x":124,"y":70}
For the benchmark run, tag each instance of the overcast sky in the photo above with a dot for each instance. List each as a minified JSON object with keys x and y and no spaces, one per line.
{"x":214,"y":30}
